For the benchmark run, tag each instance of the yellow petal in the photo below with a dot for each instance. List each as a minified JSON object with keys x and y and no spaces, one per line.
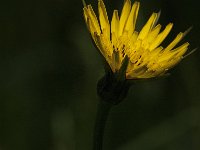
{"x":131,"y":42}
{"x":107,"y":45}
{"x":156,"y":52}
{"x":133,"y":38}
{"x":181,"y":49}
{"x":91,"y":27}
{"x":148,"y":26}
{"x":98,"y":43}
{"x":177,"y":55}
{"x":153,"y":34}
{"x":85,"y":13}
{"x":104,"y":46}
{"x":174,"y":42}
{"x":93,"y":19}
{"x":161,"y":36}
{"x":124,"y":16}
{"x":103,"y":17}
{"x":115,"y":26}
{"x":178,"y":52}
{"x":130,"y":25}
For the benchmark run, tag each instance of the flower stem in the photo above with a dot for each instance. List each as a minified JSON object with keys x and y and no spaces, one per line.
{"x":101,"y":118}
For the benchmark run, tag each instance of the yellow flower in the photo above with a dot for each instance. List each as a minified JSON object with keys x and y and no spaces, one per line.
{"x":118,"y":39}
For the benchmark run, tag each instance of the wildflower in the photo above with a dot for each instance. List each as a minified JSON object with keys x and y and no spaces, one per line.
{"x":129,"y":54}
{"x":120,"y":43}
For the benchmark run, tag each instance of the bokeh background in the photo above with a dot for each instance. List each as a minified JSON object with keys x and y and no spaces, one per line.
{"x":49,"y":70}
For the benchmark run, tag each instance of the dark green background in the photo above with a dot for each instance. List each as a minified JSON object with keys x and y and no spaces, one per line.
{"x":49,"y":70}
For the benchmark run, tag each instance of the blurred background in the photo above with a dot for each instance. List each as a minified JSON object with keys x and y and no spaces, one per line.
{"x":49,"y":70}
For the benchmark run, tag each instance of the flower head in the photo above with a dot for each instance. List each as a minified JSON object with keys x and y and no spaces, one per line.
{"x":118,"y":40}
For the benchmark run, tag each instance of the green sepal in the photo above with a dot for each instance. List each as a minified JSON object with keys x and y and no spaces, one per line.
{"x":111,"y":90}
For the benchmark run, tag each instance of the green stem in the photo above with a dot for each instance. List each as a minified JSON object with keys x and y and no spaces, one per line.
{"x":101,"y":117}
